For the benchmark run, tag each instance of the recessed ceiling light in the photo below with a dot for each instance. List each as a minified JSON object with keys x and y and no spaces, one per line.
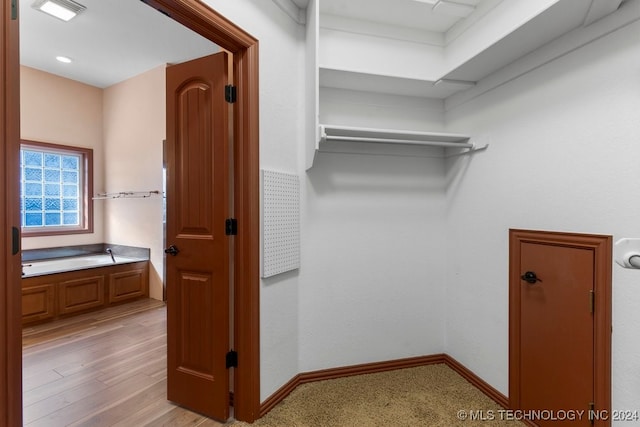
{"x":61,"y":9}
{"x":64,"y":59}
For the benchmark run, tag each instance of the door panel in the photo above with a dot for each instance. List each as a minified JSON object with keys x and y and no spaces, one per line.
{"x":556,"y":329}
{"x":559,"y":324}
{"x":197,"y":206}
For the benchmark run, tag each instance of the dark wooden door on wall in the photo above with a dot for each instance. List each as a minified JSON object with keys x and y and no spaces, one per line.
{"x":198,"y":260}
{"x":560,"y":325}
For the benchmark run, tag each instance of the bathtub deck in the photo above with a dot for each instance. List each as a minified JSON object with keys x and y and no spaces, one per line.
{"x":104,"y":368}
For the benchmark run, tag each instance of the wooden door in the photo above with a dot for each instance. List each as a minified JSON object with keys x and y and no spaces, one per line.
{"x":10,"y":292}
{"x":555,"y":327}
{"x":197,"y":207}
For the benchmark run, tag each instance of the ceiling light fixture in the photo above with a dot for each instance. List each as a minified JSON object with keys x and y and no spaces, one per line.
{"x":64,"y":59}
{"x":61,"y":9}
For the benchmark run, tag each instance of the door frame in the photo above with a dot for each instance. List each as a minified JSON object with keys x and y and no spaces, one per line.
{"x":202,"y":19}
{"x":602,"y":247}
{"x":10,"y":292}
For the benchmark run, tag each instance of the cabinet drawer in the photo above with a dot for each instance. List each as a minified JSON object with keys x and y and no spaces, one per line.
{"x":81,"y":294}
{"x":38,"y":302}
{"x":127,"y":284}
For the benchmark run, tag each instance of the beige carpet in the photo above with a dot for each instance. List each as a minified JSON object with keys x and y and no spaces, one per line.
{"x":431,"y":395}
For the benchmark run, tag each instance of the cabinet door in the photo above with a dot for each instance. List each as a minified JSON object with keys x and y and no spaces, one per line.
{"x":38,"y":302}
{"x":127,"y":285}
{"x":81,"y":294}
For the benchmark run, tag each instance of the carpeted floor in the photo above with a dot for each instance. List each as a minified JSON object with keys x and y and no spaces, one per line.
{"x":431,"y":395}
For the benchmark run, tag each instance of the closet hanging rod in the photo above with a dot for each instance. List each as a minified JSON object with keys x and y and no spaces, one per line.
{"x":399,"y":141}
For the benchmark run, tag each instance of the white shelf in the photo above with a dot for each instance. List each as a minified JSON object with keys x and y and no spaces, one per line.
{"x":363,"y":137}
{"x":393,"y":136}
{"x":394,"y":85}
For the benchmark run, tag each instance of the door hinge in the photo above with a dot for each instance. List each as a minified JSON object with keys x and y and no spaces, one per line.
{"x":592,"y":412}
{"x":230,"y":398}
{"x":14,"y":10}
{"x":592,"y":301}
{"x":15,"y":240}
{"x":232,"y":359}
{"x":231,"y":227}
{"x":230,"y":93}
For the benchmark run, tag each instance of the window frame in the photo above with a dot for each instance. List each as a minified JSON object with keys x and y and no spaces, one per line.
{"x":86,"y":190}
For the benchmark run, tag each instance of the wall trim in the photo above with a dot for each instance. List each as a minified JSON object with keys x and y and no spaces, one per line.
{"x":371,"y":368}
{"x":478,"y":382}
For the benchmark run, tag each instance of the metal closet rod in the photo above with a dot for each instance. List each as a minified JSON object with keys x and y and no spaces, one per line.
{"x":399,"y":141}
{"x":128,"y":194}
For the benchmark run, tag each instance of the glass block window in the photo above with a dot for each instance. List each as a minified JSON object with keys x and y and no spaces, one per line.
{"x":54,"y":192}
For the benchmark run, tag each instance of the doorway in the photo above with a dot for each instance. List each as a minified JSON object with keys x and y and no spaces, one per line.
{"x":560,"y":325}
{"x":205,"y":21}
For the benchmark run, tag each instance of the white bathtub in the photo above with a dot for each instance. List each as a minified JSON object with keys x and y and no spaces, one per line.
{"x":59,"y":265}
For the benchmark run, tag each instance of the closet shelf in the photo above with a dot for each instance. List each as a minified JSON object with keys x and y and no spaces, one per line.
{"x":129,"y":195}
{"x":388,"y":136}
{"x":389,"y":84}
{"x":361,"y":140}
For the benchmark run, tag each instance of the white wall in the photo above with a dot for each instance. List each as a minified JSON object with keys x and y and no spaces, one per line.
{"x":373,"y":260}
{"x":379,"y":55}
{"x":382,"y":111}
{"x":134,"y":128}
{"x":564,"y":156}
{"x":373,"y":247}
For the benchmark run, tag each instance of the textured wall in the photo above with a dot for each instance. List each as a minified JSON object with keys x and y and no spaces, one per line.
{"x":564,"y":156}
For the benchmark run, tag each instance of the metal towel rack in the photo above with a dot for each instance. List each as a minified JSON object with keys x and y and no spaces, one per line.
{"x":129,"y":195}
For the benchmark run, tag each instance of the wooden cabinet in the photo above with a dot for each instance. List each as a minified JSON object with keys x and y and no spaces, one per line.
{"x":38,"y":302}
{"x":128,"y":284}
{"x":80,"y":294}
{"x":55,"y":295}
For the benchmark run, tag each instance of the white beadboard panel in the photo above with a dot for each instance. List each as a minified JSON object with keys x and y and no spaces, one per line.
{"x":281,"y":222}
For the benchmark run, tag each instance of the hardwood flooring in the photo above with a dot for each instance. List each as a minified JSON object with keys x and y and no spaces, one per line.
{"x":106,"y":368}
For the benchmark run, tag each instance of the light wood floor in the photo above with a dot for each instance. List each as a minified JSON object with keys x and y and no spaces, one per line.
{"x":106,"y":368}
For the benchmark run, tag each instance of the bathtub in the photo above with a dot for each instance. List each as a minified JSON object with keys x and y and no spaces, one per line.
{"x":58,"y":287}
{"x":60,"y":265}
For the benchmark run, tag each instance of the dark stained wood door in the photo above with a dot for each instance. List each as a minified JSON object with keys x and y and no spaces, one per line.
{"x":197,"y":207}
{"x":553,"y":321}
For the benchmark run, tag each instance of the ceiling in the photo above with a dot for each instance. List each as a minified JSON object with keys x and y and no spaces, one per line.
{"x":428,"y":15}
{"x":111,"y":41}
{"x":476,"y":38}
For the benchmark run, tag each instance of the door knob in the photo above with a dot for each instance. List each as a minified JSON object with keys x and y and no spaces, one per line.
{"x":530,"y":277}
{"x":171,"y":250}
